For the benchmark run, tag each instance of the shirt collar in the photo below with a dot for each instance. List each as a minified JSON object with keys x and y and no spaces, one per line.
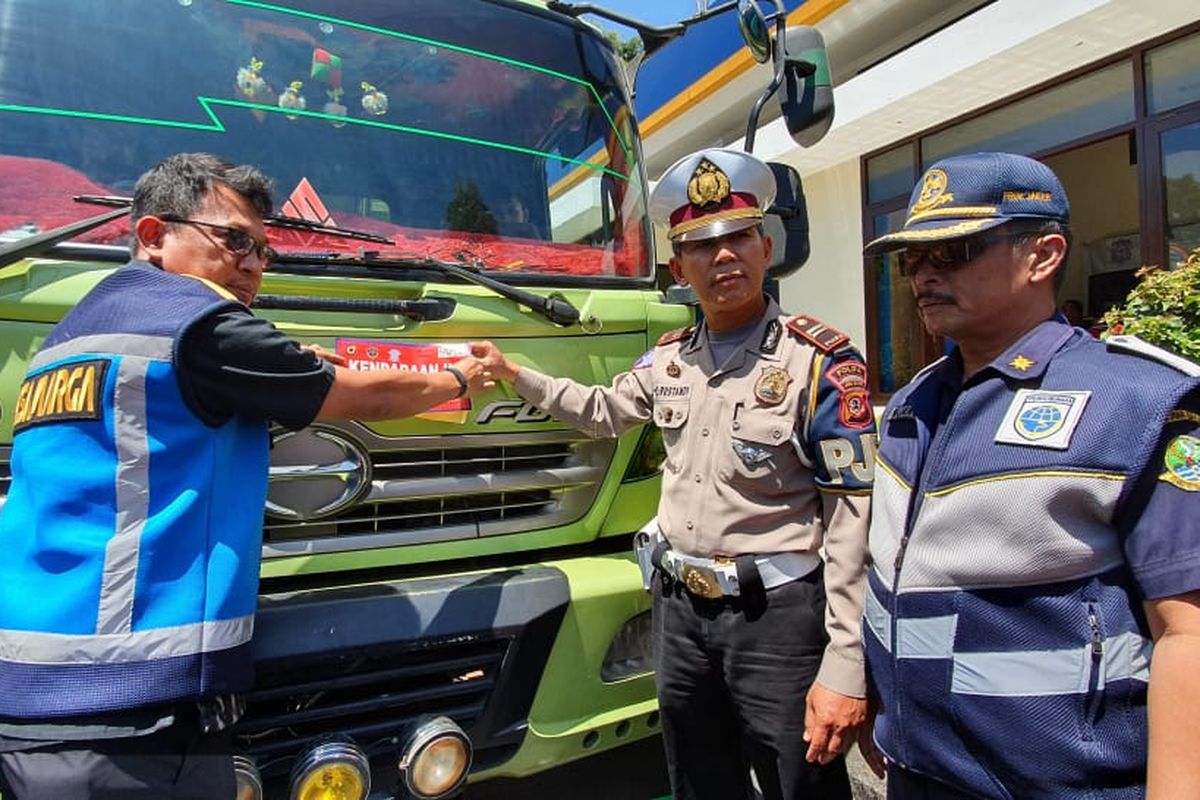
{"x":757,"y":340}
{"x":1029,"y":356}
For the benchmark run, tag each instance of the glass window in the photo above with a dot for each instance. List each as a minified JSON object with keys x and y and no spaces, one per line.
{"x":890,"y":174}
{"x":1173,"y":75}
{"x":900,"y":333}
{"x":451,"y":140}
{"x":1181,"y":179}
{"x":1094,"y":102}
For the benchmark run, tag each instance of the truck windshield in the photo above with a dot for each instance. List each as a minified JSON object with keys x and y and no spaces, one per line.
{"x":489,"y":133}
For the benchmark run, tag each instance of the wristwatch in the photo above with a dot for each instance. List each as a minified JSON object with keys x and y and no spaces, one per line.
{"x":462,"y":381}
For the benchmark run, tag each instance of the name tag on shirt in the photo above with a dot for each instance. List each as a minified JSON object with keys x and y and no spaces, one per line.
{"x":1040,"y":418}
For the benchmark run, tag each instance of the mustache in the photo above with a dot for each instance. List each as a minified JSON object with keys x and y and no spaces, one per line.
{"x":929,"y":294}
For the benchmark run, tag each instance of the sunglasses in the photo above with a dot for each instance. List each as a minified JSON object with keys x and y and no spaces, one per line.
{"x":951,"y":255}
{"x":235,"y":241}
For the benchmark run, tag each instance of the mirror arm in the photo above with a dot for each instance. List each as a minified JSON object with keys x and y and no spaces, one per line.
{"x":779,"y":56}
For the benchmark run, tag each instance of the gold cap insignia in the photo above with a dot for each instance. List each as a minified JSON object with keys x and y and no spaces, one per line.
{"x":933,"y":192}
{"x":771,"y":386}
{"x":708,"y":184}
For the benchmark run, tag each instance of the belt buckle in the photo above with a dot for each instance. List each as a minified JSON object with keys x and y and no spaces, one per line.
{"x":702,"y":582}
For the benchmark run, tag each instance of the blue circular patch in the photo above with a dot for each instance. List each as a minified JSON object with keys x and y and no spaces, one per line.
{"x":1036,"y":421}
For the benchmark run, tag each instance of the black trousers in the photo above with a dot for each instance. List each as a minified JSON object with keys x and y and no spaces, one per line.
{"x":732,"y":678}
{"x":177,"y":763}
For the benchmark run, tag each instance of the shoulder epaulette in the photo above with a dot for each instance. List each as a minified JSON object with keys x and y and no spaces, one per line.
{"x":1132,"y":344}
{"x":675,"y":335}
{"x":817,"y":333}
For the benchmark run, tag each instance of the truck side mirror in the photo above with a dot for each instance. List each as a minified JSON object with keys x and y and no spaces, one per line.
{"x":787,"y":222}
{"x":807,"y":96}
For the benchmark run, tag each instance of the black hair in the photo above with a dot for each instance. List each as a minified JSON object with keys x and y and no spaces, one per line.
{"x":178,"y":186}
{"x":1025,"y":230}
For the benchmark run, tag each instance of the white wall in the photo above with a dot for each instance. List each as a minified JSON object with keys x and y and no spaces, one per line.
{"x":830,"y":285}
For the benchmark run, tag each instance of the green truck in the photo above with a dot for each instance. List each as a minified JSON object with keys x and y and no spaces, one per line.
{"x":441,"y":593}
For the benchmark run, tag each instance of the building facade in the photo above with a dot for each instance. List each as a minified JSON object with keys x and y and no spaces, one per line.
{"x":1106,"y":92}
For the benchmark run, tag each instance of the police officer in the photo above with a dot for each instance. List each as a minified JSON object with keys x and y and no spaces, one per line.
{"x":132,"y":531}
{"x":1032,"y":624}
{"x":769,"y":439}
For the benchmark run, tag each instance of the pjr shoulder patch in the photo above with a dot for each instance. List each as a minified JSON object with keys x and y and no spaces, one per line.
{"x":676,"y":335}
{"x":817,"y":333}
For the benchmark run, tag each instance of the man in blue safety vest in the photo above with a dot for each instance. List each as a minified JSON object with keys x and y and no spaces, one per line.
{"x":132,"y":530}
{"x":1032,"y":619}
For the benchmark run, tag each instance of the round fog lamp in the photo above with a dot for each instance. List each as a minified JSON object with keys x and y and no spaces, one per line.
{"x":332,"y":771}
{"x":435,"y":760}
{"x":249,"y":782}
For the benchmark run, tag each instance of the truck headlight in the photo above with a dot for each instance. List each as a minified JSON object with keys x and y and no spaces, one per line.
{"x":648,"y":457}
{"x":336,"y":770}
{"x":631,"y":651}
{"x":249,"y":782}
{"x":435,"y":759}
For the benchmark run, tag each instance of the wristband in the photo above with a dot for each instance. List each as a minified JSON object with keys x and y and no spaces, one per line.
{"x":462,"y":381}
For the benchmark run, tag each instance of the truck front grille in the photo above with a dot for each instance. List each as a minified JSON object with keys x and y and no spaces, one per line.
{"x":369,"y":696}
{"x":344,"y":487}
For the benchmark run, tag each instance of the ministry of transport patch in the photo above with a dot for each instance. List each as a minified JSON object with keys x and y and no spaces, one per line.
{"x":1182,"y":461}
{"x":1042,"y":418}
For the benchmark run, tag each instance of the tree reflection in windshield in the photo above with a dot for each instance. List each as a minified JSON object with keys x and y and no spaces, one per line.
{"x":461,"y":131}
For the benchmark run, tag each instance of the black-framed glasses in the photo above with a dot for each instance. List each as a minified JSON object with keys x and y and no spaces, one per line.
{"x":234,"y":240}
{"x":951,"y":255}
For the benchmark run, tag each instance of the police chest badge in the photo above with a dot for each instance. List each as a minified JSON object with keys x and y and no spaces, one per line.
{"x":771,"y":386}
{"x":1042,"y":418}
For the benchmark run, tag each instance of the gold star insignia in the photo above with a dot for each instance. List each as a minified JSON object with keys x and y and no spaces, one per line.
{"x":1021,"y":363}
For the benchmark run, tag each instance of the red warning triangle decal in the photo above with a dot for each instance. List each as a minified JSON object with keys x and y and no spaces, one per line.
{"x":305,"y":203}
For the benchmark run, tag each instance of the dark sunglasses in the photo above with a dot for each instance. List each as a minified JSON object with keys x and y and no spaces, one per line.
{"x":235,"y":241}
{"x":951,"y":255}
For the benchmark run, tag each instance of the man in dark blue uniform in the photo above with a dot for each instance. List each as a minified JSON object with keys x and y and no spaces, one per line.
{"x":132,"y":530}
{"x":1032,"y":620}
{"x":769,"y":436}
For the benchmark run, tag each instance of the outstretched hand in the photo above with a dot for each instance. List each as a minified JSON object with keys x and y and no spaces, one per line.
{"x":494,"y":361}
{"x":478,"y":376}
{"x":337,"y":359}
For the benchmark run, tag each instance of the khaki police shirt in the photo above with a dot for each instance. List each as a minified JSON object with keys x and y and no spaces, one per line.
{"x":772,"y":453}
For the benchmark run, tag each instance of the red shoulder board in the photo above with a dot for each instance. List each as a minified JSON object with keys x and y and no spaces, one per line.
{"x":675,"y":335}
{"x":817,"y":333}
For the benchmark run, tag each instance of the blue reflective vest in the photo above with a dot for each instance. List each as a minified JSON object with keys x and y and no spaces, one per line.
{"x":1002,"y":626}
{"x":131,"y":534}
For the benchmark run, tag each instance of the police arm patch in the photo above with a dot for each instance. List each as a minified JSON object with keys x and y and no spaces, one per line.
{"x":817,"y":333}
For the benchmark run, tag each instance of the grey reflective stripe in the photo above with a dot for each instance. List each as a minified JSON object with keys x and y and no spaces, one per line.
{"x":926,"y":637}
{"x":129,"y":344}
{"x":1030,"y":673}
{"x":25,"y":647}
{"x":877,"y":618}
{"x":916,"y":637}
{"x":119,"y":579}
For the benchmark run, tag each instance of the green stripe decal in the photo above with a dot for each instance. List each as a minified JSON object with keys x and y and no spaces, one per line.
{"x":215,"y":126}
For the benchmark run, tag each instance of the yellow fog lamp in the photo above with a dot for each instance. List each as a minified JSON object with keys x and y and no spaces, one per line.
{"x":249,"y":782}
{"x":435,"y":759}
{"x":336,"y":770}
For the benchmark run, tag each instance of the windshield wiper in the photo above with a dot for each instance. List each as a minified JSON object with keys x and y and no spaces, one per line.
{"x":555,"y":307}
{"x":39,"y":243}
{"x":275,"y":221}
